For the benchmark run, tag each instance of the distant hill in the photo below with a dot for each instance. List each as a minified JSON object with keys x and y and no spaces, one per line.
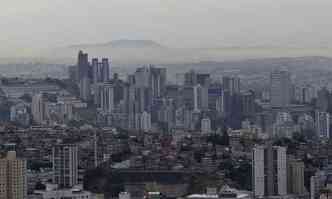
{"x":124,"y":43}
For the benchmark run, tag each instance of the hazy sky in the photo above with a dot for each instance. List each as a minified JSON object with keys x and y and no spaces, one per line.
{"x":178,"y":23}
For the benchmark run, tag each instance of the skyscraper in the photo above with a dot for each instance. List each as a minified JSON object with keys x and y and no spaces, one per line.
{"x":107,"y":97}
{"x":280,"y":88}
{"x":322,"y":124}
{"x":269,"y":171}
{"x":232,"y":84}
{"x":84,"y":76}
{"x":13,"y":179}
{"x":248,"y":103}
{"x":82,"y":65}
{"x":105,"y":68}
{"x":65,"y":165}
{"x":38,"y":108}
{"x":100,"y":70}
{"x":158,"y":81}
{"x":153,"y":78}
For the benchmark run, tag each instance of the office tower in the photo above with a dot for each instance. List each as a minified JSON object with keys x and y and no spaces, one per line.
{"x":84,"y":76}
{"x":203,"y":79}
{"x":280,"y":88}
{"x":201,"y":100}
{"x":322,"y":102}
{"x":153,"y":78}
{"x":295,"y":177}
{"x":322,"y":124}
{"x":105,"y":68}
{"x":97,"y":71}
{"x":142,"y":77}
{"x":269,"y":171}
{"x":107,"y":98}
{"x":65,"y":165}
{"x":145,"y":121}
{"x":13,"y":179}
{"x":215,"y":92}
{"x":206,"y":125}
{"x":158,"y":81}
{"x":187,"y":118}
{"x":143,"y":98}
{"x":248,"y":103}
{"x":232,"y":84}
{"x":190,"y":78}
{"x":82,"y":65}
{"x":187,"y":94}
{"x":38,"y":108}
{"x":101,"y":70}
{"x":85,"y":88}
{"x":73,"y":73}
{"x":197,"y":97}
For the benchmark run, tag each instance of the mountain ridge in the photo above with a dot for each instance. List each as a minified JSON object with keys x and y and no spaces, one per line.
{"x":122,"y":43}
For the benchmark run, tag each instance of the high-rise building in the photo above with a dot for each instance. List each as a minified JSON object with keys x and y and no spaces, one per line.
{"x":201,"y":98}
{"x":317,"y":182}
{"x":190,"y":78}
{"x":145,"y":121}
{"x":84,"y":76}
{"x":85,"y":88}
{"x":206,"y":125}
{"x":13,"y":179}
{"x":295,"y":177}
{"x":322,"y":124}
{"x":106,"y":71}
{"x":38,"y":108}
{"x":107,"y":98}
{"x":322,"y":102}
{"x":83,"y":66}
{"x":269,"y":171}
{"x":248,"y":103}
{"x":158,"y":81}
{"x":101,"y":70}
{"x":65,"y":165}
{"x":232,"y":84}
{"x":280,"y":88}
{"x":153,"y":78}
{"x":203,"y":79}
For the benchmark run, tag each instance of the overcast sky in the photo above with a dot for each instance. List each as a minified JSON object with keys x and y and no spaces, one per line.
{"x":174,"y":23}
